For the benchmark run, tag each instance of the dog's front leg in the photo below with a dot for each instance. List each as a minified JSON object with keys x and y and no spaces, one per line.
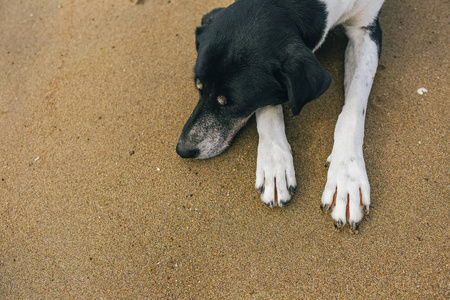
{"x":275,"y":175}
{"x":347,"y":190}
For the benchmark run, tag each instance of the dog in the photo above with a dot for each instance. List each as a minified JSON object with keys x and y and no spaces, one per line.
{"x":254,"y":55}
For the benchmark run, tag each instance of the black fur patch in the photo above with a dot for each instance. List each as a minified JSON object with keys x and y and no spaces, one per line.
{"x":376,"y":33}
{"x":251,"y":51}
{"x":254,"y":53}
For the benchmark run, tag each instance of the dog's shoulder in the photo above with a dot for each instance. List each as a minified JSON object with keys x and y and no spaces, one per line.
{"x":355,"y":12}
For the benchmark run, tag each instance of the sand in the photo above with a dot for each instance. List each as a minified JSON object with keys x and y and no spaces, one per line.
{"x":95,"y":203}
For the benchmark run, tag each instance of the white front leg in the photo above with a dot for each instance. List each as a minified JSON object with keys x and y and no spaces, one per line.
{"x":347,"y":190}
{"x":275,"y":175}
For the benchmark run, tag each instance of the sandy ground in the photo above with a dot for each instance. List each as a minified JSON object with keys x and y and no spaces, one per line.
{"x":95,"y":203}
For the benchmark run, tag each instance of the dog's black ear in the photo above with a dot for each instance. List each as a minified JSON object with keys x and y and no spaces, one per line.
{"x":209,"y":17}
{"x":304,"y":77}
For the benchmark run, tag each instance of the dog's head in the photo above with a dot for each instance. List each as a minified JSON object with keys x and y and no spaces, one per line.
{"x":245,"y":61}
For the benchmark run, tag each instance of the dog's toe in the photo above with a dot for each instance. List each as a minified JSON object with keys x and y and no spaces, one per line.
{"x":275,"y":179}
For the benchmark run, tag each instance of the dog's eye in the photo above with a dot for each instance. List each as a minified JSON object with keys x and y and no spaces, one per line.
{"x":222,"y":100}
{"x":198,"y":84}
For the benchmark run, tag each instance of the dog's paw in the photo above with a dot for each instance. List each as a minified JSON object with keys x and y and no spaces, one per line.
{"x":347,"y":191}
{"x":275,"y":174}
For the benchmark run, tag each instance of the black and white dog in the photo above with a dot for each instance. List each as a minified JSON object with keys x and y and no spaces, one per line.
{"x":256,"y":54}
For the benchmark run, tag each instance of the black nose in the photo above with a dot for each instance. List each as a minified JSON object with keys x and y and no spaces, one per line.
{"x":186,"y":152}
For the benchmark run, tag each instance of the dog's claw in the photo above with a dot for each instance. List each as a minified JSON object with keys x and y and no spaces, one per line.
{"x":355,"y":227}
{"x":325,"y":207}
{"x":260,"y":190}
{"x":327,"y":164}
{"x":270,"y":204}
{"x":339,"y":225}
{"x":284,"y":203}
{"x":292,"y":190}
